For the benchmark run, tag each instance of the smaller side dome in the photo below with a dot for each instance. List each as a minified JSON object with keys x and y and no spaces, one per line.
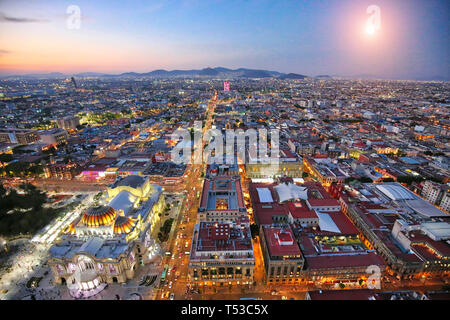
{"x":123,"y":225}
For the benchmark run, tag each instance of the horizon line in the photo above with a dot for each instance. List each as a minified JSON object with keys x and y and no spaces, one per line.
{"x":97,"y":73}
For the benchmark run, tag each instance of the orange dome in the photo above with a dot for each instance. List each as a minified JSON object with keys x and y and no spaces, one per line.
{"x":123,"y":225}
{"x":99,"y":216}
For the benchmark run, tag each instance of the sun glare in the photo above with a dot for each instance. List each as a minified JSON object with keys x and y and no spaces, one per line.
{"x":370,"y":29}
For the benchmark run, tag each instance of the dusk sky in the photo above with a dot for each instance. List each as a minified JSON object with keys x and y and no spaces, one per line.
{"x":307,"y":37}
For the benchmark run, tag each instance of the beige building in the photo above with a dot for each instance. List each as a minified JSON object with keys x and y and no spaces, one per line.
{"x":222,"y":254}
{"x":282,"y":169}
{"x":19,"y":136}
{"x":68,"y":123}
{"x":221,"y":199}
{"x":283,"y":260}
{"x":109,"y":242}
{"x":437,"y":194}
{"x":54,"y":136}
{"x":445,"y":203}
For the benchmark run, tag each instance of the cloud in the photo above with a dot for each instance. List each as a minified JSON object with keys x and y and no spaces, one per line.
{"x":5,"y":18}
{"x":3,"y":52}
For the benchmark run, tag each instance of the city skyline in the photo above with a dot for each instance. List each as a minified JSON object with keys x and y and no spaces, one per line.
{"x":299,"y":37}
{"x":258,"y":150}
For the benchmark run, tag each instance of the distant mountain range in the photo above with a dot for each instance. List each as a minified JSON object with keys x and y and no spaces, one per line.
{"x":218,"y":72}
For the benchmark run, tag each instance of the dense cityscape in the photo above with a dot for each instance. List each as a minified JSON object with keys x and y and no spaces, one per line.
{"x":94,"y":206}
{"x":224,"y":159}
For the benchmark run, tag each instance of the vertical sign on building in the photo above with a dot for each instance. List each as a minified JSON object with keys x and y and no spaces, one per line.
{"x":226,"y":86}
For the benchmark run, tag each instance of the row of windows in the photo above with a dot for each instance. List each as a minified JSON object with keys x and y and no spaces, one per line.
{"x":223,"y":213}
{"x":285,"y":270}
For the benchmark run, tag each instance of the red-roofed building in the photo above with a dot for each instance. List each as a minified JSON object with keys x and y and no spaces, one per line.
{"x":302,"y":215}
{"x":323,"y":205}
{"x":412,"y":245}
{"x":283,"y":260}
{"x":329,"y":243}
{"x":270,"y":210}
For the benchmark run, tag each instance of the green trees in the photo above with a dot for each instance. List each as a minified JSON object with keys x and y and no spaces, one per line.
{"x":23,"y":214}
{"x":163,"y":235}
{"x":409,"y":179}
{"x":18,"y":150}
{"x":97,"y":197}
{"x":21,"y":169}
{"x":5,"y":157}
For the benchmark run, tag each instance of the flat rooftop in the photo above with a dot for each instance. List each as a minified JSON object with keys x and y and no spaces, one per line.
{"x":392,"y":192}
{"x":222,"y":237}
{"x":222,"y":193}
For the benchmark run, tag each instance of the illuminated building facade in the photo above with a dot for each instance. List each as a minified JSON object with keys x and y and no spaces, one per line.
{"x":222,"y":199}
{"x":19,"y":136}
{"x":65,"y":171}
{"x":283,"y":260}
{"x":325,"y":170}
{"x":287,"y":165}
{"x":109,"y":242}
{"x":68,"y":123}
{"x":54,"y":136}
{"x":222,"y":253}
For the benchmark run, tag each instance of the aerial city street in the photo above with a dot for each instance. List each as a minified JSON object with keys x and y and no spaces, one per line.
{"x":220,"y":183}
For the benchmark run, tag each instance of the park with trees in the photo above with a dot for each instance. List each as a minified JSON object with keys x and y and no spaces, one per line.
{"x":22,"y":211}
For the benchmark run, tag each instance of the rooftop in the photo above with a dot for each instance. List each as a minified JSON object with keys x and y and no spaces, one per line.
{"x":222,"y":193}
{"x":281,"y":243}
{"x":132,"y":181}
{"x":214,"y":237}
